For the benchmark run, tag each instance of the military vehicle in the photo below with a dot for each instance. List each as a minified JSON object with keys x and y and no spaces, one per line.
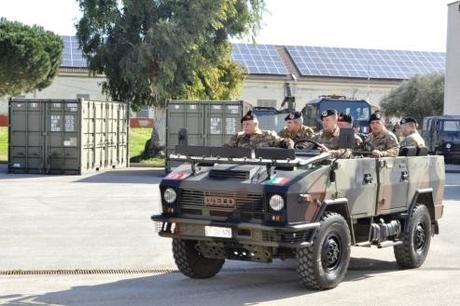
{"x":442,"y":136}
{"x":269,"y":203}
{"x":359,"y":110}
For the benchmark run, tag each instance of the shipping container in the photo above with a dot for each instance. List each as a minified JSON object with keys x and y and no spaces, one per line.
{"x":203,"y":123}
{"x":52,"y":136}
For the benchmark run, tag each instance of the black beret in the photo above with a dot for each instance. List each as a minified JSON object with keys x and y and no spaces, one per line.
{"x":376,"y":116}
{"x":407,"y":120}
{"x":328,"y":113}
{"x":293,"y":115}
{"x":345,"y":118}
{"x":249,"y":116}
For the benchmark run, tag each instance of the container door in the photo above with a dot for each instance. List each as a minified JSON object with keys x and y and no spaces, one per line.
{"x":222,"y":121}
{"x":26,"y":145}
{"x":185,"y":124}
{"x":62,"y":137}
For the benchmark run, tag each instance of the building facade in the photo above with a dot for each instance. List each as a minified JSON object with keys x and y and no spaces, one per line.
{"x":452,"y":85}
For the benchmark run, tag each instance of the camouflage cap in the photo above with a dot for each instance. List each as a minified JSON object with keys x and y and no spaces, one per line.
{"x":249,"y":116}
{"x":327,"y":113}
{"x":376,"y":116}
{"x":345,"y":118}
{"x":407,"y":120}
{"x":293,"y":116}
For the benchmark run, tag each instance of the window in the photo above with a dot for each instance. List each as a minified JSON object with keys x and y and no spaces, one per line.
{"x":266,"y":103}
{"x":451,"y":126}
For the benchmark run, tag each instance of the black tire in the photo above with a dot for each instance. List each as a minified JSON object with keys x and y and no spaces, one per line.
{"x":324,"y":263}
{"x":191,"y":263}
{"x":415,"y":240}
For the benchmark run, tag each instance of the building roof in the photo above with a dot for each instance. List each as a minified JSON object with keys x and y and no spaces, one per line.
{"x":305,"y":61}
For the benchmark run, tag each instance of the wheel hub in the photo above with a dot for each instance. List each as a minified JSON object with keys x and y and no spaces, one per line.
{"x":331,"y":253}
{"x":420,"y":238}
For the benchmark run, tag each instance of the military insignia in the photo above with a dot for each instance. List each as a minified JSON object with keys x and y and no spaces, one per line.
{"x":291,"y":116}
{"x":324,"y":113}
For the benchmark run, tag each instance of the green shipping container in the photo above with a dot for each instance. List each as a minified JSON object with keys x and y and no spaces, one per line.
{"x":203,"y":123}
{"x":53,"y":136}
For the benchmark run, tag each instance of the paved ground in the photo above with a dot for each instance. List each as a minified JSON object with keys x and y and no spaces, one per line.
{"x":102,"y":222}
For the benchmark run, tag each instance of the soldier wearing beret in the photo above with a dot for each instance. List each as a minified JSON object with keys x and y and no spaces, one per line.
{"x":295,"y":129}
{"x":409,"y":131}
{"x":329,"y":135}
{"x":346,"y":122}
{"x":253,"y":137}
{"x":381,"y":142}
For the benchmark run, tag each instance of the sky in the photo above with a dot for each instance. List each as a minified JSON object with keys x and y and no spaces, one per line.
{"x":374,"y":24}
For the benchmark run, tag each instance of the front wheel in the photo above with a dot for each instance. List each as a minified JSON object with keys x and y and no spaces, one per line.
{"x":324,"y":263}
{"x":416,"y":239}
{"x":191,"y":263}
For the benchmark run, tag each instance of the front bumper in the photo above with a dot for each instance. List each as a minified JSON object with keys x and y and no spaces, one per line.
{"x":291,"y":236}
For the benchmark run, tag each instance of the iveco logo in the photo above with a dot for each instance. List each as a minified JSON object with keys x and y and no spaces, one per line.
{"x":219,"y":202}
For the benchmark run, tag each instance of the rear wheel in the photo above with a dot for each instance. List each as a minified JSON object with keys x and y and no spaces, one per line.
{"x":416,"y":239}
{"x":191,"y":263}
{"x":324,"y":263}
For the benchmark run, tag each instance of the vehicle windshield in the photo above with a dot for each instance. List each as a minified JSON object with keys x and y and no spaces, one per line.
{"x":451,"y":126}
{"x":357,"y":110}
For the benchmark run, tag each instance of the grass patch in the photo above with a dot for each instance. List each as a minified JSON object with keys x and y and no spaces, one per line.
{"x":137,"y":139}
{"x":153,"y":162}
{"x":3,"y":144}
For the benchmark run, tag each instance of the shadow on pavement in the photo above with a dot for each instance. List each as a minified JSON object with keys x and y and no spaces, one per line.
{"x":233,"y":286}
{"x":126,"y":176}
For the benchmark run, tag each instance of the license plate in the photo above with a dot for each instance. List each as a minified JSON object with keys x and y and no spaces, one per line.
{"x":219,"y":232}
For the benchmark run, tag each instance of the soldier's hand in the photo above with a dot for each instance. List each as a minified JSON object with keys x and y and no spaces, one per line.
{"x":377,"y":153}
{"x":323,"y":148}
{"x":290,"y":144}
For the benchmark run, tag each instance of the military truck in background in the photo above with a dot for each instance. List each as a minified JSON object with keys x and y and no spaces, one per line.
{"x":269,"y":203}
{"x":442,"y":136}
{"x":359,"y":110}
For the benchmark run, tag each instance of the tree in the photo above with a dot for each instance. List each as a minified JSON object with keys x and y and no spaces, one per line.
{"x":29,"y":57}
{"x":420,"y":96}
{"x":151,"y":50}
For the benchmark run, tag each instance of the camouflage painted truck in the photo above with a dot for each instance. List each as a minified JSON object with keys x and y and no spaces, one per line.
{"x":262,"y":204}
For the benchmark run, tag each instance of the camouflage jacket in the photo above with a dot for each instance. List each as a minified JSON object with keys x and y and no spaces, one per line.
{"x":261,"y":138}
{"x":413,"y":139}
{"x":331,"y":140}
{"x":304,"y":133}
{"x":385,"y":141}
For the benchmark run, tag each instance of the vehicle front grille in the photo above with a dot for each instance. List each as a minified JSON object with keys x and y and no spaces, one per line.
{"x":246,"y":205}
{"x":216,"y":173}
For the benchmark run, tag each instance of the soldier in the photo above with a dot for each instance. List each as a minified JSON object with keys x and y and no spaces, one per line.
{"x":346,"y":122}
{"x":329,"y":135}
{"x":253,"y":137}
{"x":409,"y":131}
{"x":381,"y":142}
{"x":295,"y":129}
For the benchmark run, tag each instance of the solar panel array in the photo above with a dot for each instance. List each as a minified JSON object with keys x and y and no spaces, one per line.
{"x":259,"y":59}
{"x":312,"y":61}
{"x":364,"y":63}
{"x":72,"y":55}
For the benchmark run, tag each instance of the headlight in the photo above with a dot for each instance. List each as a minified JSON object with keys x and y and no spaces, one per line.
{"x":448,"y":145}
{"x":276,"y":202}
{"x":170,"y":195}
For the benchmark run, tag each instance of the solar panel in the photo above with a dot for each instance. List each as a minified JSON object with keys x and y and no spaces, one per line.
{"x":259,"y":59}
{"x":72,"y":56}
{"x":364,"y":63}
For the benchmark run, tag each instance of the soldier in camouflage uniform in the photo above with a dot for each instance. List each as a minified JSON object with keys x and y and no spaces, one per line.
{"x":346,"y":122}
{"x":295,"y":129}
{"x":253,"y":137}
{"x":409,"y":131}
{"x":381,"y":142}
{"x":329,"y":135}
